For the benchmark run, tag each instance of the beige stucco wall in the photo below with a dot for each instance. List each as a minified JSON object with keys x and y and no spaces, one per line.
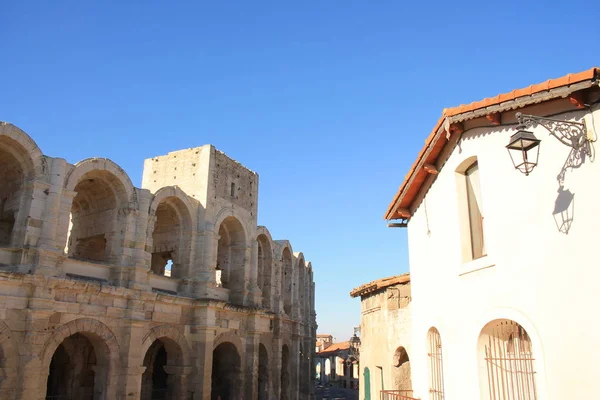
{"x":47,"y":294}
{"x":533,"y":274}
{"x":385,"y":325}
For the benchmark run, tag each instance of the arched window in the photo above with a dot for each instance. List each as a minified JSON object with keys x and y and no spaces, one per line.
{"x":436,"y":370}
{"x":170,"y":246}
{"x":265,"y":263}
{"x":94,"y":221}
{"x":231,"y":258}
{"x":507,"y":368}
{"x":286,"y":281}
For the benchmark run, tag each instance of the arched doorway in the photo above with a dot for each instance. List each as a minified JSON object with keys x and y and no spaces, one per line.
{"x":94,"y":233}
{"x":506,"y":362}
{"x":15,"y":165}
{"x":265,"y":262}
{"x":401,"y":370}
{"x":77,"y":370}
{"x":226,"y":380}
{"x":286,"y":281}
{"x":263,"y":373}
{"x":231,"y":257}
{"x":285,"y":373}
{"x":160,"y":380}
{"x":170,"y":246}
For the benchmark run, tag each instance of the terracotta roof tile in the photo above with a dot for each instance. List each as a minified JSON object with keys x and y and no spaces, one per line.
{"x":591,"y":75}
{"x":380,"y":284}
{"x":336,"y":347}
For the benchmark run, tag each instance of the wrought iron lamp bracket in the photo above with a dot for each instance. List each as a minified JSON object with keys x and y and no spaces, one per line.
{"x":571,"y":134}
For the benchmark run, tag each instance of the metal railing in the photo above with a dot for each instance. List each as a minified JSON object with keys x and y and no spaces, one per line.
{"x":510,"y":363}
{"x":396,"y":395}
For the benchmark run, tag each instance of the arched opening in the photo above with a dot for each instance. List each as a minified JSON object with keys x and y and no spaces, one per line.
{"x":506,"y":362}
{"x":285,"y":373}
{"x":328,"y":369}
{"x":231,"y":258}
{"x":401,"y":374}
{"x":160,"y":380}
{"x":436,"y":370}
{"x":16,"y":166}
{"x":318,"y":371}
{"x":226,"y":373}
{"x":77,"y":371}
{"x":94,"y":233}
{"x":265,"y":263}
{"x":301,"y":289}
{"x":170,"y":244}
{"x":263,"y":373}
{"x":286,"y":281}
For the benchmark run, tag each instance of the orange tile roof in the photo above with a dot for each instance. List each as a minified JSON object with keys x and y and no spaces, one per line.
{"x":380,"y":284}
{"x":415,"y":178}
{"x":336,"y":347}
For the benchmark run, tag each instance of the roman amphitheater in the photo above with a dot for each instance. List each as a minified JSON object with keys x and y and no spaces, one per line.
{"x":171,"y":291}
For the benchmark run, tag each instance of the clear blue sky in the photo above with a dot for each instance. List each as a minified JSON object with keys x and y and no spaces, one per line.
{"x":329,"y":101}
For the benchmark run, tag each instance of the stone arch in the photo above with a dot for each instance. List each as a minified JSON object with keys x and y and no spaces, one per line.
{"x":96,"y":225}
{"x":227,"y":212}
{"x":226,"y":375}
{"x":170,"y":229}
{"x":232,"y":258}
{"x":20,"y":162}
{"x":287,"y":266}
{"x":265,"y":266}
{"x":229,"y":337}
{"x":401,"y":373}
{"x":88,"y":165}
{"x":106,"y":349}
{"x":300,"y":285}
{"x":9,"y":363}
{"x":19,"y":136}
{"x":166,"y":358}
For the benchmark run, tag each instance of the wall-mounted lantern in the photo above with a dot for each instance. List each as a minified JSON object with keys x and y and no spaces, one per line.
{"x":519,"y":147}
{"x":521,"y":144}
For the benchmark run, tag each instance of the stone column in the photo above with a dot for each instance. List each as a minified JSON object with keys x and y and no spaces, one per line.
{"x":251,"y":367}
{"x":64,"y":219}
{"x":130,"y":380}
{"x":178,"y":382}
{"x":275,"y":373}
{"x":202,"y":346}
{"x":51,"y":212}
{"x":135,"y":261}
{"x":252,"y":292}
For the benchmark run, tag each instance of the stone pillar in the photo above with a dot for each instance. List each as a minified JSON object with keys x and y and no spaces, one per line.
{"x":252,"y":291}
{"x":52,"y":213}
{"x":251,"y":367}
{"x":130,"y":380}
{"x":275,"y":373}
{"x":295,"y":368}
{"x":121,"y":245}
{"x":177,"y":382}
{"x":64,"y":219}
{"x":202,"y":345}
{"x":135,"y":258}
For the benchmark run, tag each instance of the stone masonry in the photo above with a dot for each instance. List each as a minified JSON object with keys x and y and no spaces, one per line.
{"x":171,"y":291}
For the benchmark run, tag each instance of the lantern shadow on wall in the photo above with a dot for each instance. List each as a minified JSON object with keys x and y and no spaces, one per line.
{"x":564,"y":210}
